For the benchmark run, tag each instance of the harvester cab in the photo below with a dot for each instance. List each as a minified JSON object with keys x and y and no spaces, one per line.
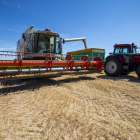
{"x":36,"y":43}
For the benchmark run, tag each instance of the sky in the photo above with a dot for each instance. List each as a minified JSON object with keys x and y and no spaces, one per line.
{"x":102,"y":22}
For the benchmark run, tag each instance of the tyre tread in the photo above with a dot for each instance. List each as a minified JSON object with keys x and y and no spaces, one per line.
{"x":118,"y":62}
{"x":138,"y":71}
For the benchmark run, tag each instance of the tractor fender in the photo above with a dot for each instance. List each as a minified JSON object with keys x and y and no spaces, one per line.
{"x":121,"y":60}
{"x":136,"y":65}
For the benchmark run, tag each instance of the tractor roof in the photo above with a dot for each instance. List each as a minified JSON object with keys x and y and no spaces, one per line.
{"x":119,"y":45}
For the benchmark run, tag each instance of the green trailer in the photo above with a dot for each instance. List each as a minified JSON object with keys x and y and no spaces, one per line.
{"x":91,"y":53}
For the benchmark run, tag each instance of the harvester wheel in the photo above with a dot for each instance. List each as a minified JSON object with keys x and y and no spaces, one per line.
{"x":113,"y":67}
{"x":49,"y":65}
{"x":138,"y":71}
{"x":87,"y":63}
{"x":100,"y":63}
{"x":70,"y":60}
{"x":48,"y":57}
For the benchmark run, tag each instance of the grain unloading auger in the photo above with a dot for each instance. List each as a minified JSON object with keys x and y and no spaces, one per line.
{"x":46,"y":68}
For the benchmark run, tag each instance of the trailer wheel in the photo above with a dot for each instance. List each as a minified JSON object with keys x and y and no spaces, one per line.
{"x":113,"y":67}
{"x":138,"y":71}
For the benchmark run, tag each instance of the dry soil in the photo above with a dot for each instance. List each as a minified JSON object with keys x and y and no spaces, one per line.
{"x":88,"y":107}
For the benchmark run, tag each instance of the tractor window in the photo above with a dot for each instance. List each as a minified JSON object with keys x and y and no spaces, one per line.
{"x":121,"y":50}
{"x":117,"y":50}
{"x":125,"y":50}
{"x":134,"y":50}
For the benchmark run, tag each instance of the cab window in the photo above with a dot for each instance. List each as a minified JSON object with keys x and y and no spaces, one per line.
{"x":46,"y":44}
{"x":134,"y":50}
{"x":57,"y":49}
{"x":121,"y":50}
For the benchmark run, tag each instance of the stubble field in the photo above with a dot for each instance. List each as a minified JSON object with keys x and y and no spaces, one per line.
{"x":88,"y":107}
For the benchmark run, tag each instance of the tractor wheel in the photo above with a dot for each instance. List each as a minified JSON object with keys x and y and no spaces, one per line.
{"x":125,"y":73}
{"x":113,"y":67}
{"x":138,"y":71}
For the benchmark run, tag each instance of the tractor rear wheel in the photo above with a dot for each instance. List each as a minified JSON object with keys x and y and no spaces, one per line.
{"x":125,"y":73}
{"x":138,"y":71}
{"x":113,"y":67}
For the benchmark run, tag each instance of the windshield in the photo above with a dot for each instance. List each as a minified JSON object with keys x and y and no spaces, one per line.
{"x":122,"y":49}
{"x":46,"y":44}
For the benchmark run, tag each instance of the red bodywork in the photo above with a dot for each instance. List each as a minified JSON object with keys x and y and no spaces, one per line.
{"x":118,"y":45}
{"x":121,"y":58}
{"x":136,"y":58}
{"x":97,"y":63}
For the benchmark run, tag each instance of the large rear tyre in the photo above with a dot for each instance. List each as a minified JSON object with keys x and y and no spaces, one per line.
{"x":138,"y":71}
{"x":113,"y":67}
{"x":125,"y":73}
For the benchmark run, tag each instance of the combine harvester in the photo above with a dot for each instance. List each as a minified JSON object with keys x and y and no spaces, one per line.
{"x":39,"y":54}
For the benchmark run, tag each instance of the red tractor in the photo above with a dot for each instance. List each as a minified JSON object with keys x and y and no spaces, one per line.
{"x":123,"y":60}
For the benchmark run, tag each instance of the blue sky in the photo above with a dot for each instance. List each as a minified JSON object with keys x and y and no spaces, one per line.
{"x":102,"y":22}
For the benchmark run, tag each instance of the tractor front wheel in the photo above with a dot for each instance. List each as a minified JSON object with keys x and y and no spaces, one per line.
{"x":138,"y":71}
{"x":113,"y":67}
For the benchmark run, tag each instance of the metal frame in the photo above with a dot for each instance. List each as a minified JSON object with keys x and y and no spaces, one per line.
{"x":67,"y":65}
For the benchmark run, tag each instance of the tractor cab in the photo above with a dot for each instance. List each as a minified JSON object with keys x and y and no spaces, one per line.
{"x":124,"y":50}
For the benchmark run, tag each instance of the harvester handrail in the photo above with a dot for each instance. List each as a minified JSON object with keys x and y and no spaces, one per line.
{"x":9,"y":52}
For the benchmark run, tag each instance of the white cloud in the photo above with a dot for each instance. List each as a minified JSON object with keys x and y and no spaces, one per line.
{"x":33,"y":14}
{"x":11,"y":30}
{"x":65,"y":36}
{"x":4,"y":42}
{"x":14,"y":30}
{"x":5,"y":3}
{"x":3,"y":55}
{"x":74,"y":44}
{"x":20,"y":8}
{"x":64,"y":51}
{"x":7,"y":48}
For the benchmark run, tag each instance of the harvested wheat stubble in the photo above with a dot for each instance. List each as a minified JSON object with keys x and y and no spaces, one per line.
{"x":89,"y":107}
